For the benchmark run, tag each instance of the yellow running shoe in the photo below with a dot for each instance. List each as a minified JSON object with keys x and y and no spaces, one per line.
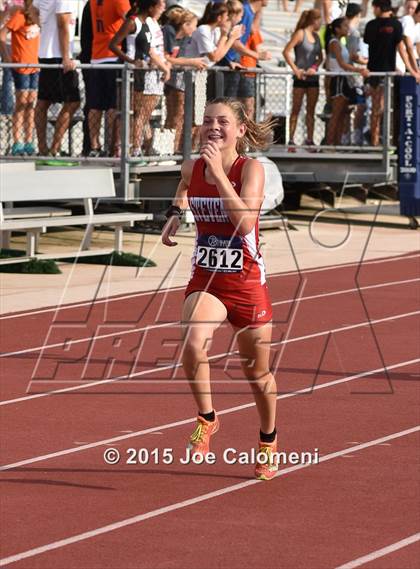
{"x":200,"y":439}
{"x":266,"y":469}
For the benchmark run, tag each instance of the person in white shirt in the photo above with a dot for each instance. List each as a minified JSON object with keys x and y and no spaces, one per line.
{"x":56,"y":85}
{"x":410,"y":34}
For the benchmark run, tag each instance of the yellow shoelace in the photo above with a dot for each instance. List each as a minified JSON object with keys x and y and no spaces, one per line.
{"x":268,"y":451}
{"x":198,"y":434}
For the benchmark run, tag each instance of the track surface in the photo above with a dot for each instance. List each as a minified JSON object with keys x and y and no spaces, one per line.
{"x":86,"y":377}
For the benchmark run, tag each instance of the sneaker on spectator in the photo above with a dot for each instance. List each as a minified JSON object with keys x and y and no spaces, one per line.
{"x":18,"y":149}
{"x":311,"y":144}
{"x":29,"y":149}
{"x":137,"y":155}
{"x":95,"y":153}
{"x":291,"y":146}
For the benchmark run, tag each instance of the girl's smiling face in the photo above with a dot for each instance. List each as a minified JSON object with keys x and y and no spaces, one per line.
{"x":221,"y":126}
{"x":156,"y":11}
{"x":189,"y":27}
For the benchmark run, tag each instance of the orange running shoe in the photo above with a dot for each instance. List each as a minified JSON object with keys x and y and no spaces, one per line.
{"x":267,"y":469}
{"x":200,"y":439}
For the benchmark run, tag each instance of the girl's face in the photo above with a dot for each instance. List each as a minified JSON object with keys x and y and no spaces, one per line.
{"x":317,"y":24}
{"x":157,"y":10}
{"x":236,"y":18}
{"x":343,"y":30}
{"x":189,"y":27}
{"x":221,"y":126}
{"x":222,"y":19}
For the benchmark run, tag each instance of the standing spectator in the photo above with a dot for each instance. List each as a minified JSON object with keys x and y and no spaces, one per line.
{"x":384,"y":36}
{"x":410,"y":33}
{"x":354,"y":46}
{"x":285,"y":4}
{"x":235,"y":85}
{"x":341,"y":91}
{"x":247,"y":84}
{"x":177,"y":34}
{"x":56,"y":85}
{"x":136,"y":31}
{"x":25,"y":46}
{"x":7,"y":99}
{"x":308,"y":57}
{"x":86,"y":39}
{"x":107,"y":18}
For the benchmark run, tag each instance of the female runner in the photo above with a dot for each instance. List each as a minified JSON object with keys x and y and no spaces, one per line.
{"x":224,"y":190}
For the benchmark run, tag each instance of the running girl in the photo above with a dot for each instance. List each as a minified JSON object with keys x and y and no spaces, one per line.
{"x":225,"y":189}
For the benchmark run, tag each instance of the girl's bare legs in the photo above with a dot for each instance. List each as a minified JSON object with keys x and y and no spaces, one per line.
{"x":144,"y":106}
{"x":298,"y":94}
{"x":339,"y":105}
{"x":254,"y":349}
{"x":377,"y":94}
{"x":202,"y":314}
{"x":19,"y":115}
{"x":29,"y":124}
{"x":311,"y":101}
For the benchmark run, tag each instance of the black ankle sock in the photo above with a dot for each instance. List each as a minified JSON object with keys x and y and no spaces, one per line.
{"x":268,"y":437}
{"x":208,"y":416}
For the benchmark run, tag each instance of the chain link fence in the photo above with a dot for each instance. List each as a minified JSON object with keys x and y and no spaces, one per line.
{"x":119,"y":115}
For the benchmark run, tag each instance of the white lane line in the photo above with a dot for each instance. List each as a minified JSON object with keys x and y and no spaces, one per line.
{"x":169,"y":289}
{"x":70,"y":343}
{"x":152,"y":430}
{"x":381,"y":552}
{"x":190,"y":502}
{"x":177,"y":365}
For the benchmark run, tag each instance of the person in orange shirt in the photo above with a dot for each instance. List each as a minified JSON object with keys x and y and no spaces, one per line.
{"x":107,"y":18}
{"x":25,"y":45}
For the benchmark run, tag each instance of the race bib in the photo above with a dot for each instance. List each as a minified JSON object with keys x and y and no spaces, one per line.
{"x":221,"y":254}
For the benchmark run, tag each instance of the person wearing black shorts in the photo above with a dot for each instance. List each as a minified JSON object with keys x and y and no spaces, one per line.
{"x":56,"y":84}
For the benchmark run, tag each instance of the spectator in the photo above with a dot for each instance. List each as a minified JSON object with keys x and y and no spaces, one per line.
{"x":25,"y":46}
{"x":177,"y":34}
{"x":384,"y":36}
{"x":354,"y":46}
{"x":7,"y":99}
{"x":410,"y":33}
{"x":56,"y":85}
{"x":332,"y":9}
{"x":341,"y":92}
{"x":236,"y":86}
{"x":86,"y":39}
{"x":213,"y":38}
{"x":107,"y":18}
{"x":308,"y":57}
{"x":142,"y":47}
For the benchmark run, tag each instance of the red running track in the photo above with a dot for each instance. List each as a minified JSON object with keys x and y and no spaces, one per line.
{"x":360,"y":499}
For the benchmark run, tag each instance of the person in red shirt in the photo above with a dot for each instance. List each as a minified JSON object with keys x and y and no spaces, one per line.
{"x":224,"y":189}
{"x":25,"y":46}
{"x":107,"y":17}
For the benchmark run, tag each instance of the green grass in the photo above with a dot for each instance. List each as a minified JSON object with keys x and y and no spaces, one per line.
{"x":33,"y":267}
{"x":115,"y":259}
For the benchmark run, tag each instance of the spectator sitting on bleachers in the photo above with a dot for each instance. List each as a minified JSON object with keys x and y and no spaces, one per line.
{"x":56,"y":85}
{"x":25,"y":46}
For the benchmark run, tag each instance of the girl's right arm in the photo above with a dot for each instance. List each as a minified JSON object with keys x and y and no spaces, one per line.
{"x":296,"y":39}
{"x":127,"y":27}
{"x":180,"y":200}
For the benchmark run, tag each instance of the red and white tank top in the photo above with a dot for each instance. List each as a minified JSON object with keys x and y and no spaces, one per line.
{"x":220,"y":252}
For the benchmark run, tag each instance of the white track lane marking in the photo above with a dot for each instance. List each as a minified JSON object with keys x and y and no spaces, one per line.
{"x":166,"y":290}
{"x":191,"y":502}
{"x":177,"y":322}
{"x":113,"y":440}
{"x":177,"y":365}
{"x":381,"y":552}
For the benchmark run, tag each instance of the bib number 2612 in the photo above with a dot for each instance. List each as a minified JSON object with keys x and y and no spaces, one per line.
{"x":226,"y":257}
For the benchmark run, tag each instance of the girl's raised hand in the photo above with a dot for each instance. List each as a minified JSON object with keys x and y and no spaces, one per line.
{"x":212,"y":156}
{"x":169,"y":230}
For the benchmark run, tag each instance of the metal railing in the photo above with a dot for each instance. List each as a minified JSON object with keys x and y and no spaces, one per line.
{"x":274,"y":95}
